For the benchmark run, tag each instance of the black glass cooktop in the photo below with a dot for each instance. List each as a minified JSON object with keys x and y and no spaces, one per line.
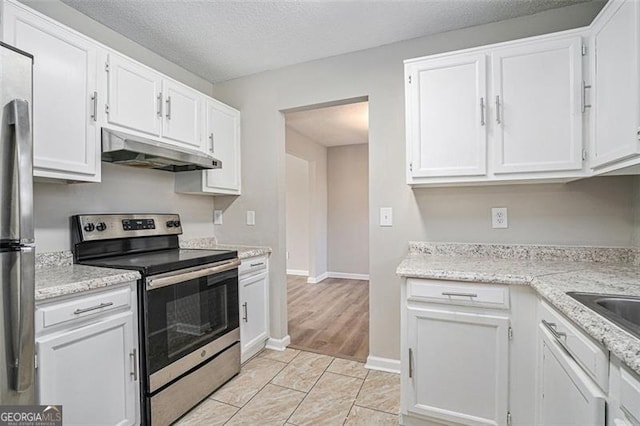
{"x":161,"y":261}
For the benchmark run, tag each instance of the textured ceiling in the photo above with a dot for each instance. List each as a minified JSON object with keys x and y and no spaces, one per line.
{"x":223,"y":39}
{"x":333,"y":126}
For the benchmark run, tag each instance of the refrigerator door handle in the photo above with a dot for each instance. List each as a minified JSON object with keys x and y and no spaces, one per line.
{"x":22,"y":320}
{"x":19,"y":117}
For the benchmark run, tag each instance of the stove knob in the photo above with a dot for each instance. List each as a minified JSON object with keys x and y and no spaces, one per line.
{"x":169,"y":224}
{"x":176,"y":223}
{"x":89,"y":227}
{"x":101,"y":226}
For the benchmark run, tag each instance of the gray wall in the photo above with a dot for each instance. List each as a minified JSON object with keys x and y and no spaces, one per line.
{"x":298,"y":213}
{"x":348,"y":209}
{"x":597,"y":211}
{"x":123,"y":189}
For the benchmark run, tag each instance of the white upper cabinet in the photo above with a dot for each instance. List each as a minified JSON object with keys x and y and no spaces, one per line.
{"x":222,"y":140}
{"x":65,"y":95}
{"x":446,"y":122}
{"x":506,"y":112}
{"x":134,"y":96}
{"x":537,"y":113}
{"x":182,"y":114}
{"x":615,"y":40}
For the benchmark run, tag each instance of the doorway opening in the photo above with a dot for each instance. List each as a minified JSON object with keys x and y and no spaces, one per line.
{"x":327,"y":228}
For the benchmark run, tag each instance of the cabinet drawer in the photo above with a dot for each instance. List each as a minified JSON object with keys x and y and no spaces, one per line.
{"x":630,"y":394}
{"x":252,"y":265}
{"x":82,"y":307}
{"x":591,"y":356}
{"x":456,"y":293}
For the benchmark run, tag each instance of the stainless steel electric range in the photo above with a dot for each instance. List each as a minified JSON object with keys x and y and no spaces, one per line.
{"x":187,"y":305}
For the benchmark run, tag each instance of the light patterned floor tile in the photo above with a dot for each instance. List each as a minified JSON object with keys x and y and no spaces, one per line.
{"x":283,"y":356}
{"x":316,"y":410}
{"x":348,"y":368}
{"x":381,"y":391}
{"x":360,"y":416}
{"x":208,"y":412}
{"x":254,"y":375}
{"x":336,"y":386}
{"x":271,"y":406}
{"x":303,"y":371}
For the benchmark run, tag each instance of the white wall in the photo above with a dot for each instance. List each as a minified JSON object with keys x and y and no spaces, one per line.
{"x":123,"y":190}
{"x":298,"y":215}
{"x":316,"y":156}
{"x":580,"y":213}
{"x":348,"y":209}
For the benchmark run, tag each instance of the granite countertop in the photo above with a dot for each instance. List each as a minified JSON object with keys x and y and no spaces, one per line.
{"x":244,"y":252}
{"x":550,"y":279}
{"x":63,"y":280}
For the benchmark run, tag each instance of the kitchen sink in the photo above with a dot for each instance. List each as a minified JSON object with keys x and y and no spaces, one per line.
{"x":624,"y":311}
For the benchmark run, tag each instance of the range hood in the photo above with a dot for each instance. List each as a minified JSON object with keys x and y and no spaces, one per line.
{"x":136,"y":151}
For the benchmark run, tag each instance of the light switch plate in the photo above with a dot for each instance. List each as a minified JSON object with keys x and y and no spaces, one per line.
{"x":386,"y":216}
{"x":499,"y":217}
{"x":217,"y":217}
{"x":251,"y":217}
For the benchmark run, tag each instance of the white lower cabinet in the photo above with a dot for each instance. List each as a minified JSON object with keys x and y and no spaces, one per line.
{"x":254,"y":305}
{"x":88,"y":357}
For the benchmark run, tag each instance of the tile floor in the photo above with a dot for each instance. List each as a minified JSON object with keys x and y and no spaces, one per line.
{"x":301,"y":388}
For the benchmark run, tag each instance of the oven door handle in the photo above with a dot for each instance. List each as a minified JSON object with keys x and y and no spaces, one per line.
{"x":171,"y":279}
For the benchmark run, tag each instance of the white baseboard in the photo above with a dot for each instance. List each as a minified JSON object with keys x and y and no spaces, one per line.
{"x":383,"y":364}
{"x":278,"y":344}
{"x":319,"y":278}
{"x":348,"y":276}
{"x":297,"y":272}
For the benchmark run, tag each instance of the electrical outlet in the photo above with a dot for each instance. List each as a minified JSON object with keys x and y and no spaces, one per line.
{"x":251,"y":217}
{"x":217,"y":217}
{"x":499,"y":217}
{"x":386,"y":216}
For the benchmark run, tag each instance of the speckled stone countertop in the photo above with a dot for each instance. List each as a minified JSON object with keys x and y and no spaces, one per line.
{"x":56,"y":281}
{"x":244,"y":252}
{"x":551,"y":279}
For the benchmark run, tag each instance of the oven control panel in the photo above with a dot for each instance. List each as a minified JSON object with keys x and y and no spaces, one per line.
{"x":111,"y":226}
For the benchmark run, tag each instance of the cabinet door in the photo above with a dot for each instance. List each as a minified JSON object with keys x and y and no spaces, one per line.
{"x":182,"y":110}
{"x":537,"y":106}
{"x":90,"y":371}
{"x":446,"y":124}
{"x":65,"y":131}
{"x":616,"y":83}
{"x":223,"y":139}
{"x":135,"y":101}
{"x":253,"y":313}
{"x":459,"y":366}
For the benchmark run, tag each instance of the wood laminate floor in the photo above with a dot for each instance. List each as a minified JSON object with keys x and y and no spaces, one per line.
{"x":331,"y":317}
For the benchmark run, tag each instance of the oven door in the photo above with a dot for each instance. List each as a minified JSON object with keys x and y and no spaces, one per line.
{"x":190,"y":316}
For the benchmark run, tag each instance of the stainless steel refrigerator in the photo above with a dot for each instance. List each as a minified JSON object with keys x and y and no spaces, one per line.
{"x":17,"y":250}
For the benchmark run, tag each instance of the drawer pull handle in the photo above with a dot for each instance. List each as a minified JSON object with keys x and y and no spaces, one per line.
{"x":551,"y":326}
{"x":447,"y":293}
{"x":245,"y":318}
{"x":257,"y":264}
{"x":134,"y":365}
{"x":93,"y":308}
{"x":410,"y":363}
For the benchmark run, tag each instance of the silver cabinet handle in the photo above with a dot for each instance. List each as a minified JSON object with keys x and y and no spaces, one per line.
{"x":246,"y":315}
{"x":168,"y":107}
{"x":551,"y":326}
{"x":498,"y":119}
{"x":212,"y":144}
{"x":94,"y":111}
{"x":583,"y":97}
{"x":134,"y":365}
{"x":93,"y":308}
{"x":447,"y":293}
{"x":410,"y":363}
{"x":160,"y":104}
{"x":257,"y":264}
{"x":482,"y":122}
